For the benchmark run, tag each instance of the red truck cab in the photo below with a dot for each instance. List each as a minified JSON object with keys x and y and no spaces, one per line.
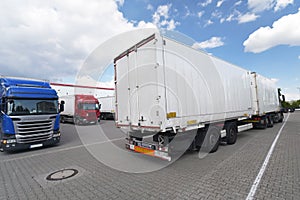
{"x":80,"y":109}
{"x":86,"y":109}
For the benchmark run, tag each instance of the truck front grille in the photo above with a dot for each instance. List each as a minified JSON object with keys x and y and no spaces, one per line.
{"x":34,"y":131}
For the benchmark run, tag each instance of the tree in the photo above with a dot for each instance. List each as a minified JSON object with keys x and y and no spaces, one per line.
{"x":295,"y":104}
{"x":286,"y":104}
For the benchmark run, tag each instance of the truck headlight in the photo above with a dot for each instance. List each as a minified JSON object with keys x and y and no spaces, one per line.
{"x":9,"y":141}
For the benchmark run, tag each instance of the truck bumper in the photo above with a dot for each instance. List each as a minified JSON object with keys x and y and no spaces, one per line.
{"x":12,"y":145}
{"x":140,"y":147}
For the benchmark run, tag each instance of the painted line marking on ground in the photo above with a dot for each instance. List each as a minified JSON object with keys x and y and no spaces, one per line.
{"x":264,"y":165}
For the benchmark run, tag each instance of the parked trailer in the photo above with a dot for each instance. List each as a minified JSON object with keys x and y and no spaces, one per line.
{"x":266,"y":102}
{"x":29,"y":114}
{"x":80,"y":109}
{"x":164,"y":88}
{"x":107,"y":107}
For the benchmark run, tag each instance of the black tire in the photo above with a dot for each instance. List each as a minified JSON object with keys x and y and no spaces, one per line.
{"x":276,"y":118}
{"x":270,"y":122}
{"x":281,"y":118}
{"x":62,"y":119}
{"x":265,"y":124}
{"x":76,"y":121}
{"x":212,"y":140}
{"x":262,"y":125}
{"x":231,"y":133}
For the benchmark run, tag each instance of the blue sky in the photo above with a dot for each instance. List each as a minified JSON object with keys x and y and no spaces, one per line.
{"x":51,"y":39}
{"x":231,"y":23}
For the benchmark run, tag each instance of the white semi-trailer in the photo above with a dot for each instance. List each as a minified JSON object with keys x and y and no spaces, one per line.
{"x":107,"y":107}
{"x":164,"y":89}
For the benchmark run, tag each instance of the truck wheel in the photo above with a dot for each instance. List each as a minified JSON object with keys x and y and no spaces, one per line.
{"x":212,"y":140}
{"x":231,"y":133}
{"x":280,"y":117}
{"x":276,"y":118}
{"x":62,"y":119}
{"x":76,"y":121}
{"x":262,"y":125}
{"x":270,"y":122}
{"x":265,"y":124}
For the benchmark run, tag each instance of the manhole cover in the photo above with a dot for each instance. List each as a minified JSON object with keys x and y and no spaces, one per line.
{"x":62,"y":174}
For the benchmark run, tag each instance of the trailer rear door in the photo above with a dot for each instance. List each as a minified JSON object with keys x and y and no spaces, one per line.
{"x":139,"y":72}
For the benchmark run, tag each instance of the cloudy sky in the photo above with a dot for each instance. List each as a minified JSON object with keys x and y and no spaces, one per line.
{"x":51,"y":39}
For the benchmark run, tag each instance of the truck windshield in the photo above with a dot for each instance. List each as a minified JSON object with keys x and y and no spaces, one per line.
{"x":32,"y":107}
{"x":90,"y":106}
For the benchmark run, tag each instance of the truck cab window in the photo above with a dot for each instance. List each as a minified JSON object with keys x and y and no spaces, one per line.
{"x":32,"y":107}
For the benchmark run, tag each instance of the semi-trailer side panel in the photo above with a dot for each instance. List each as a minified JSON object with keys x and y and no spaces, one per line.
{"x":164,"y":84}
{"x":164,"y":88}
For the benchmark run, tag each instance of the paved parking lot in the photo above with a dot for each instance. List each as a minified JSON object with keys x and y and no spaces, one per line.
{"x":230,"y":173}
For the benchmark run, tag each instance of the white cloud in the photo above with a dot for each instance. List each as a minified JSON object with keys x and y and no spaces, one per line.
{"x":282,"y":4}
{"x":262,"y":5}
{"x":275,"y":80}
{"x":219,"y":3}
{"x":299,"y":57}
{"x":238,"y":3}
{"x":285,"y":31}
{"x":120,"y":2}
{"x":209,"y":44}
{"x":230,"y":18}
{"x":248,"y":17}
{"x":163,"y":10}
{"x":209,"y":22}
{"x":291,"y":96}
{"x":206,"y":3}
{"x":241,"y":18}
{"x":50,"y":39}
{"x":216,"y":14}
{"x":187,"y":12}
{"x":149,"y":7}
{"x":200,"y":14}
{"x":161,"y":18}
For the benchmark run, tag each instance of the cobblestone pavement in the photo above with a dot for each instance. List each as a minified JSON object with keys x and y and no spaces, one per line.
{"x":227,"y":174}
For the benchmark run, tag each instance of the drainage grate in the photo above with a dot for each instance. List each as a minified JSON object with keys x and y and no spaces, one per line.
{"x":62,"y":174}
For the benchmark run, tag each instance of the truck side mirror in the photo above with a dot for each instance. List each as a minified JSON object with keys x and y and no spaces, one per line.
{"x":62,"y":106}
{"x":283,"y":98}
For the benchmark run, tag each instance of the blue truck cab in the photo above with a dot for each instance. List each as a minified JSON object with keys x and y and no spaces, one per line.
{"x":29,"y":115}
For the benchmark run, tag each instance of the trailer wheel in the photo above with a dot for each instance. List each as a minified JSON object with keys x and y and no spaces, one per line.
{"x":276,"y":118}
{"x":76,"y":121}
{"x":280,"y":117}
{"x":270,"y":122}
{"x":212,"y":140}
{"x":265,"y":123}
{"x":262,"y":125}
{"x":231,"y":133}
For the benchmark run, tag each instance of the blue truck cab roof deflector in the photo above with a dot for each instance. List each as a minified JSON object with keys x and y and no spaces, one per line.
{"x":26,"y":88}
